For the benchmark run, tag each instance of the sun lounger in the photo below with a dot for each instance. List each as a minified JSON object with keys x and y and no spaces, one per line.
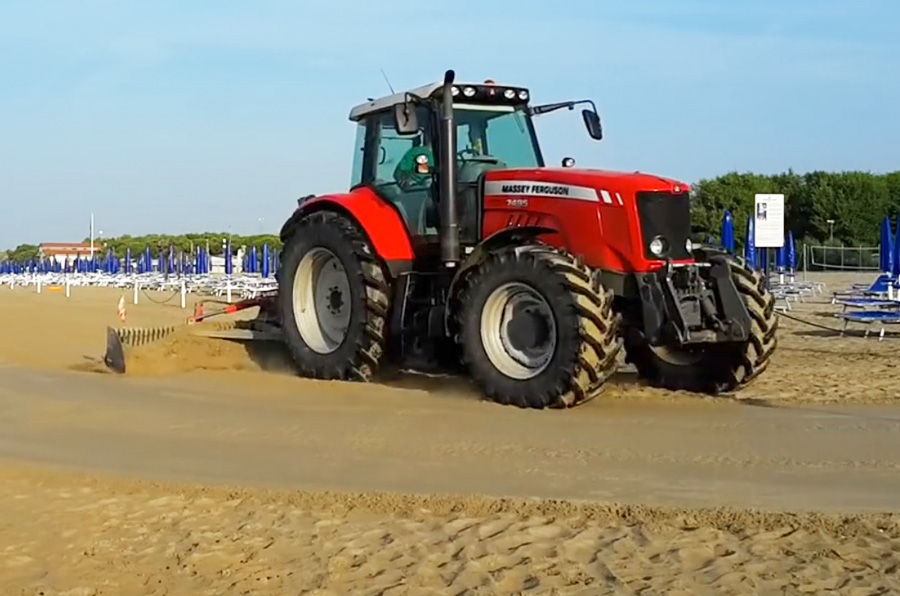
{"x":879,"y":288}
{"x":869,"y":303}
{"x":883,"y":318}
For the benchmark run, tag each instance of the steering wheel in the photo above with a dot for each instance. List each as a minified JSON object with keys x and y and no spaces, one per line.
{"x":476,"y":157}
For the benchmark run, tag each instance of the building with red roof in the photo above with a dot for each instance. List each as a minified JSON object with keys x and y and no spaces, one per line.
{"x":66,"y":251}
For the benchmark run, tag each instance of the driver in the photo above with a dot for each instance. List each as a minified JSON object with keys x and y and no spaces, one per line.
{"x":415,"y":167}
{"x":414,"y":170}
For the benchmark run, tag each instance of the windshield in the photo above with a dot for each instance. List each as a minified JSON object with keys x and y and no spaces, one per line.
{"x":504,"y":134}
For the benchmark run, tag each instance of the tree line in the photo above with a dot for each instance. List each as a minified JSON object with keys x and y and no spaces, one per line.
{"x":189,"y":243}
{"x":856,"y":201}
{"x":215,"y":243}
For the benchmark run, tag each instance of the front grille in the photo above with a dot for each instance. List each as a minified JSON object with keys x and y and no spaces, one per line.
{"x":668,"y":215}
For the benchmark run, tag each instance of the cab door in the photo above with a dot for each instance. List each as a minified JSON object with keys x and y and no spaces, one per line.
{"x":388,"y":165}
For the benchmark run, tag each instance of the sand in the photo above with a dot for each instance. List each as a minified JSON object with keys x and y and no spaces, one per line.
{"x":237,"y":477}
{"x":63,"y":534}
{"x":811,"y":365}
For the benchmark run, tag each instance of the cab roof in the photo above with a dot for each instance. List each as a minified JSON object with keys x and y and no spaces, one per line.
{"x":483,"y":93}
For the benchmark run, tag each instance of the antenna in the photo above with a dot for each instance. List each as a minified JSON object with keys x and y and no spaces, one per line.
{"x":387,"y":81}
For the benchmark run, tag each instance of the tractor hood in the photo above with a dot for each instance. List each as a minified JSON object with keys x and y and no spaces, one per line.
{"x":562,"y":182}
{"x":620,"y":221}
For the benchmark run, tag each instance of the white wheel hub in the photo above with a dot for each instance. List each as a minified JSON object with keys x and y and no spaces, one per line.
{"x":518,"y":331}
{"x":321,"y":300}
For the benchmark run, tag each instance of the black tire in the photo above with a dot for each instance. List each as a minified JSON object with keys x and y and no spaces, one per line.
{"x":586,"y":345}
{"x":361,"y":352}
{"x":720,"y":369}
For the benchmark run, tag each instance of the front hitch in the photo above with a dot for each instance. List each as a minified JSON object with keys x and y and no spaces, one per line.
{"x":734,"y":314}
{"x":682,"y":306}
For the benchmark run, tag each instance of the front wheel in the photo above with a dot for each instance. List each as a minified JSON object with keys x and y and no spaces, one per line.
{"x":535,"y":330}
{"x":718,"y":368}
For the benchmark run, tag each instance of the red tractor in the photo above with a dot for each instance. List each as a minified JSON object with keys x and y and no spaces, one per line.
{"x":457,"y":246}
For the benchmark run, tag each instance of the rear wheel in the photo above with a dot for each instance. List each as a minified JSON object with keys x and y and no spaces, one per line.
{"x":535,"y":330}
{"x":333,"y":299}
{"x":716,"y":369}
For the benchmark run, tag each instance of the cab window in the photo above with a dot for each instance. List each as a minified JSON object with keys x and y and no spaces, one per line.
{"x":394,"y":171}
{"x":359,"y":147}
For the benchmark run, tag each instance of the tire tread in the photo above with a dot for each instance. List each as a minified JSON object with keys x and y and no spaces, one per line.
{"x":364,"y":360}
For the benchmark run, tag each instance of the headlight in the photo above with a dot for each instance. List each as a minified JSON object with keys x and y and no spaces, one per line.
{"x":688,"y":245}
{"x":523,"y":95}
{"x":658,"y":246}
{"x":509,"y":93}
{"x":469,"y":91}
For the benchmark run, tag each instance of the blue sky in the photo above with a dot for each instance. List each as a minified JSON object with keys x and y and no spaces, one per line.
{"x":173,"y":116}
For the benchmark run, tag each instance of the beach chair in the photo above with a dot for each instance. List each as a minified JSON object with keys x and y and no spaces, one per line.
{"x":869,"y":303}
{"x":885,"y":285}
{"x":868,"y":318}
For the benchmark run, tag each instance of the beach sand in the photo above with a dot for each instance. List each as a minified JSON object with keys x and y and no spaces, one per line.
{"x":78,"y":517}
{"x":73,"y":535}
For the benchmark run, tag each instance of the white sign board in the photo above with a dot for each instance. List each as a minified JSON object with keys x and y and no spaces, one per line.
{"x":769,"y":221}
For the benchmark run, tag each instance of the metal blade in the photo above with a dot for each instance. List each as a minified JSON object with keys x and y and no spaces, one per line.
{"x":115,"y":353}
{"x":120,"y":341}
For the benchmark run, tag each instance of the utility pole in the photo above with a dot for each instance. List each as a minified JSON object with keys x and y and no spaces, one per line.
{"x":92,"y":235}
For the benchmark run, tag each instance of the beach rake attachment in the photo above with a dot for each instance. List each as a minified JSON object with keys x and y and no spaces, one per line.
{"x":120,"y":342}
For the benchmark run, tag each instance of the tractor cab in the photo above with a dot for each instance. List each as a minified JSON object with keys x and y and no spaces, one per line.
{"x":402,"y":151}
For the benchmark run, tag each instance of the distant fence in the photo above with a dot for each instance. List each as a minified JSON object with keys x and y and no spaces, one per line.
{"x":840,"y":258}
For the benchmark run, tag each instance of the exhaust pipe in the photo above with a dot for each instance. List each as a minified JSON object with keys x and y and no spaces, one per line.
{"x":448,"y":208}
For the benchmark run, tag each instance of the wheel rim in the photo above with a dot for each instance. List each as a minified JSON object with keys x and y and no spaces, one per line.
{"x":518,"y":331}
{"x":676,"y":356}
{"x":321,"y":300}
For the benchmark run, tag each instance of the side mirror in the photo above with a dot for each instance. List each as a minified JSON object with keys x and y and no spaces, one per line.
{"x":405,"y":121}
{"x":592,"y":122}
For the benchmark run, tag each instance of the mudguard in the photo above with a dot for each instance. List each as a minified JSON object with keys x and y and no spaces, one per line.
{"x":376,"y":217}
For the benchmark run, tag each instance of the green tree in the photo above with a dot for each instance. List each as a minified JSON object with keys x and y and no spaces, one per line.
{"x":856,"y":201}
{"x":733,"y":191}
{"x":24,"y":252}
{"x":188,"y":243}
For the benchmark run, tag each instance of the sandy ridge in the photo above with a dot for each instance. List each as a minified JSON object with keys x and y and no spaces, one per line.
{"x":92,"y":535}
{"x":410,"y":505}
